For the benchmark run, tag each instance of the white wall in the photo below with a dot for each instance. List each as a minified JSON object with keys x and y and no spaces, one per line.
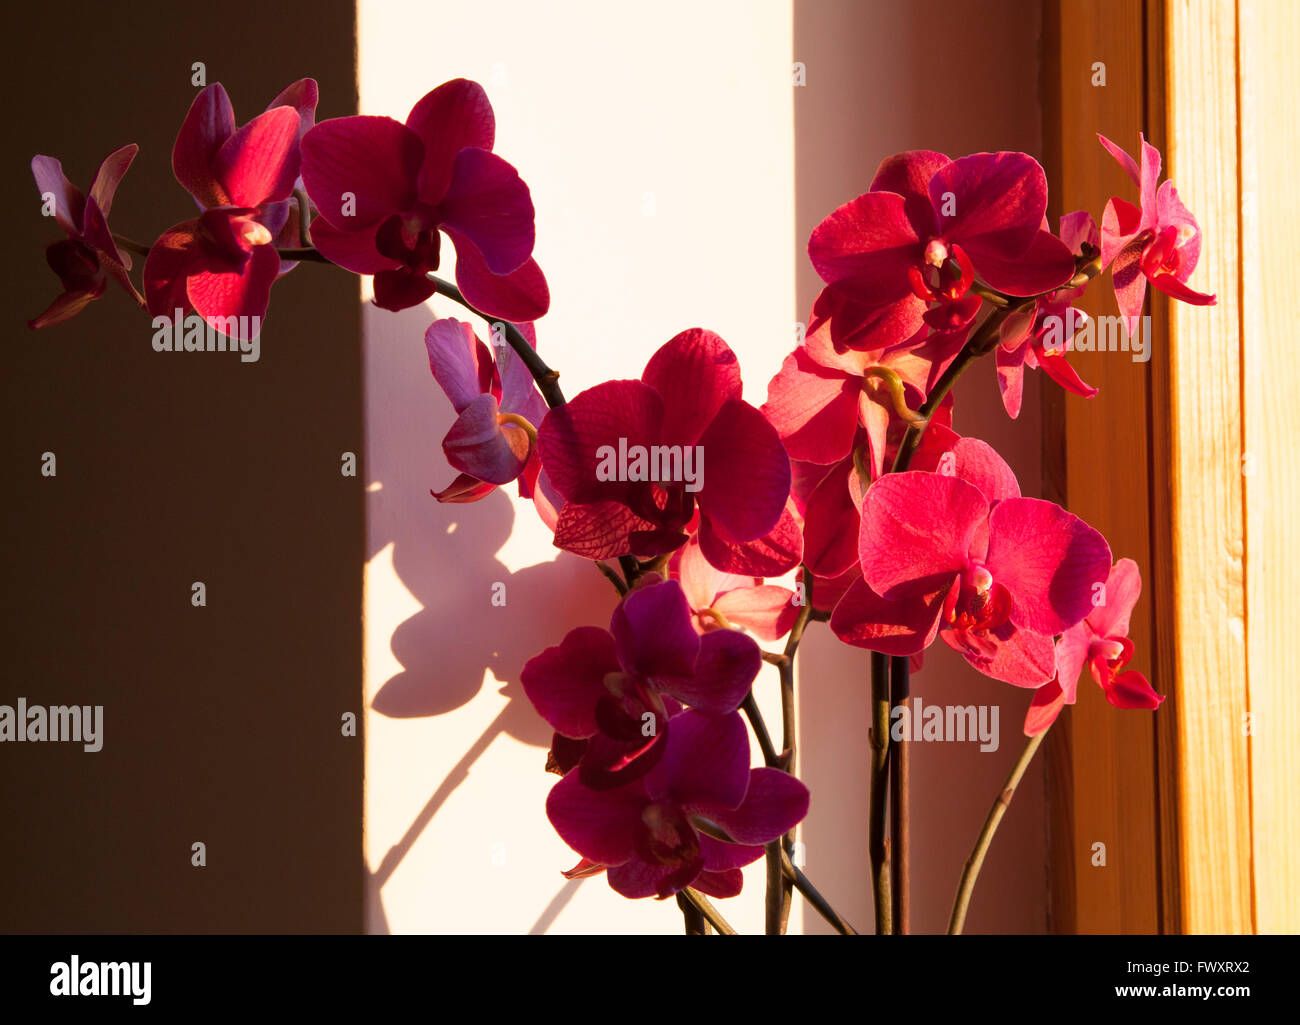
{"x":658,"y":144}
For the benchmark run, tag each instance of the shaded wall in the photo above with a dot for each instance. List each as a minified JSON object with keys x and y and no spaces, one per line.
{"x":221,"y":724}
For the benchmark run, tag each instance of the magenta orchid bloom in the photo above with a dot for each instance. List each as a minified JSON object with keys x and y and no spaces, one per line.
{"x":498,"y":408}
{"x":822,"y":395}
{"x":983,"y":212}
{"x":638,"y":461}
{"x":719,"y":599}
{"x":965,"y":557}
{"x":1041,"y":339}
{"x":1100,"y":642}
{"x":656,"y":836}
{"x":223,"y":263}
{"x":830,"y":501}
{"x":88,"y":257}
{"x":384,"y":190}
{"x":1158,"y":241}
{"x":609,"y":687}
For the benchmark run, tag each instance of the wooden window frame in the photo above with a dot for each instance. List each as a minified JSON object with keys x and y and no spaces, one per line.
{"x":1188,"y":464}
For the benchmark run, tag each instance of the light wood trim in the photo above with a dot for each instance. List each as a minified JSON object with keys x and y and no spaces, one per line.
{"x":1202,"y":814}
{"x":1202,"y":411}
{"x":1270,"y":144}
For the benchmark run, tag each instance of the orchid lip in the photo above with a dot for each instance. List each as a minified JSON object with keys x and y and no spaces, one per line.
{"x":255,"y":234}
{"x":980,"y":579}
{"x":1109,"y":649}
{"x":936,"y":252}
{"x":614,"y":683}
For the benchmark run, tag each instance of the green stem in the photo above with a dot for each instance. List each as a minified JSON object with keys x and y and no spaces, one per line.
{"x":305,"y":254}
{"x":810,"y":893}
{"x":790,"y":732}
{"x":692,"y":918}
{"x":612,"y":577}
{"x":304,"y":217}
{"x":877,"y":844}
{"x":631,"y":569}
{"x":976,"y":860}
{"x":546,"y":378}
{"x":773,"y":918}
{"x":750,"y":707}
{"x":791,"y":872}
{"x":710,"y":913}
{"x":899,"y":803}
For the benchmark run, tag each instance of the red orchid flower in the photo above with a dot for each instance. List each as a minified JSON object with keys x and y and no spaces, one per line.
{"x":657,"y":835}
{"x":302,"y":95}
{"x":687,"y":405}
{"x":384,"y":190}
{"x":822,"y":394}
{"x":965,"y":557}
{"x":1158,"y":241}
{"x":719,"y":599}
{"x":830,"y":501}
{"x":1040,"y":339}
{"x":613,"y":687}
{"x":88,"y":257}
{"x":1102,"y":643}
{"x":984,"y":212}
{"x":498,"y":407}
{"x":223,"y":263}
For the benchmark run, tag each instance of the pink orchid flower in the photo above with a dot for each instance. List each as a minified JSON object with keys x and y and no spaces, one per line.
{"x":612,"y":687}
{"x":1041,"y":339}
{"x":385,"y":190}
{"x":498,"y":408}
{"x":719,"y":599}
{"x":830,"y":502}
{"x":1158,"y":241}
{"x":687,"y":405}
{"x":657,"y":835}
{"x":823,"y":394}
{"x":965,"y":557}
{"x":88,"y":257}
{"x":1100,"y":642}
{"x":984,"y":212}
{"x":223,"y":263}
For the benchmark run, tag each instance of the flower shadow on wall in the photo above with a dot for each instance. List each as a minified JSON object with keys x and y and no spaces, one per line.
{"x":445,"y":555}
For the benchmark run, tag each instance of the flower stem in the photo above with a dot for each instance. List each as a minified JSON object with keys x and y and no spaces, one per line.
{"x":304,"y":217}
{"x":691,"y":916}
{"x":899,"y":773}
{"x":773,"y":917}
{"x":546,"y":378}
{"x":789,"y":743}
{"x":306,"y":254}
{"x":750,"y":708}
{"x":877,"y":845}
{"x":631,"y":569}
{"x":612,"y":577}
{"x":976,"y":860}
{"x":894,"y":385}
{"x":813,"y":897}
{"x":710,"y":913}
